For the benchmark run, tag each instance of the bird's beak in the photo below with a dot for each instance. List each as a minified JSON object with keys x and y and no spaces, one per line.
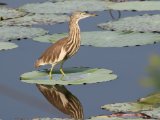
{"x":93,"y":15}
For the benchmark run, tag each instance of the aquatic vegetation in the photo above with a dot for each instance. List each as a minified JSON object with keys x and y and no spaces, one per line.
{"x":107,"y":38}
{"x":149,"y":106}
{"x":8,"y":33}
{"x":35,"y":19}
{"x":74,"y":76}
{"x":19,"y":32}
{"x":127,"y":107}
{"x":114,"y":118}
{"x":8,"y":13}
{"x":155,"y":113}
{"x":7,"y":45}
{"x":134,"y":5}
{"x":65,"y":7}
{"x":144,"y":23}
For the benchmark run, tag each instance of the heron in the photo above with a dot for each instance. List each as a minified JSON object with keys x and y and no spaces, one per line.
{"x":66,"y":47}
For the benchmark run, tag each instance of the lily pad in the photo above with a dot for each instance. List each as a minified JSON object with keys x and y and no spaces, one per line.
{"x":15,"y":32}
{"x":74,"y":76}
{"x":7,"y":13}
{"x":7,"y":45}
{"x":51,"y":119}
{"x":114,"y":118}
{"x":127,"y":107}
{"x":107,"y":38}
{"x":36,"y":19}
{"x":152,"y":99}
{"x":135,"y":5}
{"x":145,"y":23}
{"x":155,"y":113}
{"x":65,"y":7}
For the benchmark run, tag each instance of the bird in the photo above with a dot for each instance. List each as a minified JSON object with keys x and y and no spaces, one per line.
{"x":63,"y":100}
{"x":66,"y":47}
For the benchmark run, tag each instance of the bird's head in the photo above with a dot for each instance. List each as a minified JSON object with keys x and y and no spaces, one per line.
{"x":81,"y":15}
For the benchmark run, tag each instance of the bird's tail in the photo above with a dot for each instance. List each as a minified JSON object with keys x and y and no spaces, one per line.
{"x":37,"y":64}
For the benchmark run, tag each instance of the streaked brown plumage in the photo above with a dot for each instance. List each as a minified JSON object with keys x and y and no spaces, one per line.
{"x":66,"y":47}
{"x":63,"y":100}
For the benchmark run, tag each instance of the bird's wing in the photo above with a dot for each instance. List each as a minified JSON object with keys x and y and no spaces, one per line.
{"x":55,"y":53}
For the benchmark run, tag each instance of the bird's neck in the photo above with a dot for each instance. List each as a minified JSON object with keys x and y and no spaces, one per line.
{"x":74,"y":30}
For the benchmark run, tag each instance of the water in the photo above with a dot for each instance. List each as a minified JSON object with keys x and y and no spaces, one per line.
{"x":21,"y":100}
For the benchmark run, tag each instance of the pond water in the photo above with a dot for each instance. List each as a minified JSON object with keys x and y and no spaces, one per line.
{"x":23,"y":101}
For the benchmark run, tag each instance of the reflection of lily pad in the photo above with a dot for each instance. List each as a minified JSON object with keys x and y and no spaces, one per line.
{"x":73,"y":76}
{"x":108,"y":38}
{"x":155,"y":113}
{"x":145,"y":23}
{"x":7,"y":45}
{"x":127,"y":107}
{"x":6,"y":13}
{"x":14,"y":32}
{"x":65,"y":7}
{"x":135,"y":5}
{"x":36,"y":19}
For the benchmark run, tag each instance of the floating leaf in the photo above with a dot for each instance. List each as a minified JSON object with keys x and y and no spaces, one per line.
{"x":51,"y":119}
{"x":135,"y":5}
{"x":65,"y":7}
{"x":74,"y":76}
{"x":7,"y":45}
{"x":152,"y":99}
{"x":15,"y":32}
{"x":107,"y":38}
{"x":155,"y":113}
{"x":127,"y":107}
{"x":145,"y":23}
{"x":7,"y":13}
{"x":113,"y":118}
{"x":36,"y":19}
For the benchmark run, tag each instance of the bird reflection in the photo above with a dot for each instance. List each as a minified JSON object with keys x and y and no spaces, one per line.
{"x":63,"y":100}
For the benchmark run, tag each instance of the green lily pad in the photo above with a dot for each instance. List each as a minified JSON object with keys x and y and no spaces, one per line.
{"x":7,"y":45}
{"x":135,"y":5}
{"x":15,"y":32}
{"x":152,"y":99}
{"x":107,"y":38}
{"x":113,"y":118}
{"x":145,"y":23}
{"x":7,"y":13}
{"x":155,"y":113}
{"x":65,"y":7}
{"x":74,"y":76}
{"x":127,"y":107}
{"x":36,"y":19}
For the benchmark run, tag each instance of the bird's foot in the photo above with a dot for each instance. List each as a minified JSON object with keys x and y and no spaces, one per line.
{"x":50,"y":77}
{"x":61,"y":70}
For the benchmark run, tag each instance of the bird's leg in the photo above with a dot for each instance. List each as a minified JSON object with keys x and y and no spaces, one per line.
{"x":61,"y":69}
{"x":50,"y":73}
